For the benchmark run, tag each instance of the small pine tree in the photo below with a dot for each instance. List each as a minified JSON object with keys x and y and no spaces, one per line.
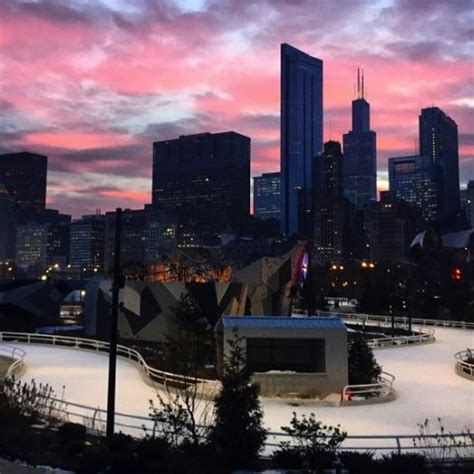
{"x":237,"y":434}
{"x":363,"y":368}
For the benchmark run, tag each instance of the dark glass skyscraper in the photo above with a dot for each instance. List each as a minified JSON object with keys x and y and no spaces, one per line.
{"x":24,"y":176}
{"x":301,"y":135}
{"x":360,"y":161}
{"x":86,"y":251}
{"x":204,"y":178}
{"x":413,"y":179}
{"x":329,"y":205}
{"x":266,"y":196}
{"x":439,"y":140}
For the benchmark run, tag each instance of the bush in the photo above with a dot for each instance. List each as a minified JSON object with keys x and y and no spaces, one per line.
{"x":69,"y":432}
{"x":287,"y":458}
{"x":119,"y":442}
{"x":359,"y":463}
{"x":95,"y":459}
{"x":153,"y":449}
{"x":312,"y":441}
{"x":403,"y":464}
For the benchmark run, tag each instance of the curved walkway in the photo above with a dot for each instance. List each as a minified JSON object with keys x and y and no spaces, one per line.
{"x":426,"y":385}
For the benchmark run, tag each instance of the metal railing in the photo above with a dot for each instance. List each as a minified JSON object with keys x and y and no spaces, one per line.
{"x":383,"y":389}
{"x":17,"y":367}
{"x":150,"y":374}
{"x":140,"y":426}
{"x":400,"y":319}
{"x":463,"y":367}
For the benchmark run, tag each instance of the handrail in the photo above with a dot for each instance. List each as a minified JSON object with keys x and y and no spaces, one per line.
{"x":462,"y":367}
{"x":154,"y":375}
{"x":400,"y":319}
{"x":17,"y":367}
{"x":383,"y":389}
{"x":141,"y":426}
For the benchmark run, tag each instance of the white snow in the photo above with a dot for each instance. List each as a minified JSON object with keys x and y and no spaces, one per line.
{"x":426,"y":384}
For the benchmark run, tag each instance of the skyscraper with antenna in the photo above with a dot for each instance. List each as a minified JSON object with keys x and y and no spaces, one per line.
{"x":360,"y":159}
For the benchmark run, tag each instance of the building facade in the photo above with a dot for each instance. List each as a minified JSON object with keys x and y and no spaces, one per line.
{"x":86,"y":252}
{"x":266,"y":196}
{"x":439,"y":141}
{"x":24,"y":176}
{"x":329,"y":205}
{"x":467,"y":202}
{"x":360,"y":159}
{"x":7,"y":225}
{"x":414,"y":180}
{"x":204,"y":178}
{"x":133,"y":239}
{"x":301,"y":135}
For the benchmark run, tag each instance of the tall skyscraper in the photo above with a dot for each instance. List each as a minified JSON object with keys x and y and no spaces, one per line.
{"x":439,"y":140}
{"x":414,"y":179}
{"x":329,"y":205}
{"x":24,"y":176}
{"x":301,"y":135}
{"x":267,"y":196}
{"x":133,"y":239}
{"x":7,"y":225}
{"x":360,"y":161}
{"x":467,"y":202}
{"x":204,"y":178}
{"x":86,"y":251}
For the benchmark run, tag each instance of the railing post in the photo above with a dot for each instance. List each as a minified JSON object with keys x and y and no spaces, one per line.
{"x":399,"y":447}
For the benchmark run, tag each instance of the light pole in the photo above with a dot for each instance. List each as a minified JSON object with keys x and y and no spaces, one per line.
{"x":116,"y":285}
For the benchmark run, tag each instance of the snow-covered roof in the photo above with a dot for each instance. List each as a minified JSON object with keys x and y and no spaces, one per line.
{"x":282,"y":322}
{"x":457,"y":240}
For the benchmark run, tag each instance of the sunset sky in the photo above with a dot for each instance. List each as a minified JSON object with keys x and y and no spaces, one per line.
{"x":93,"y":83}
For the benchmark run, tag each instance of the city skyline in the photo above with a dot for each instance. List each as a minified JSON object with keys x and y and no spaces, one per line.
{"x":99,"y":82}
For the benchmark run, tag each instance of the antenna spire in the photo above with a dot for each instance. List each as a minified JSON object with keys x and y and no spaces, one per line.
{"x":358,"y":82}
{"x":362,"y":82}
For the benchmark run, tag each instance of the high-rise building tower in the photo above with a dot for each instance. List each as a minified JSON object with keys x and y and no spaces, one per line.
{"x":204,"y":178}
{"x":329,"y":209}
{"x":86,"y":250}
{"x":301,"y":135}
{"x":266,"y":196}
{"x":24,"y":176}
{"x":360,"y":161}
{"x":7,"y":226}
{"x":439,"y":140}
{"x":413,"y":179}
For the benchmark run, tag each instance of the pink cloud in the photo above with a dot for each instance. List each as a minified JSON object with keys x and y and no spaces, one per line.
{"x":93,"y":88}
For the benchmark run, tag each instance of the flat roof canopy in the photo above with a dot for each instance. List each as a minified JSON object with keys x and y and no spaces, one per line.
{"x":281,"y":322}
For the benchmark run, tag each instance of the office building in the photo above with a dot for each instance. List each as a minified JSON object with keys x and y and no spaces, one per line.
{"x":86,"y":252}
{"x":467,"y":202}
{"x":24,"y":176}
{"x":266,"y":196}
{"x":133,"y":239}
{"x":204,"y":178}
{"x":360,"y":161}
{"x":7,"y":225}
{"x":414,"y":180}
{"x":390,"y":225}
{"x":301,"y":135}
{"x":329,"y":205}
{"x":439,"y":141}
{"x":43,"y":240}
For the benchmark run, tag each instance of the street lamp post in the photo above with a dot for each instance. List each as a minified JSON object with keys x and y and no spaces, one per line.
{"x":116,"y":285}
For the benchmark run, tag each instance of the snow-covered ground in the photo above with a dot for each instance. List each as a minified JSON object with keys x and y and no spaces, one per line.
{"x":426,"y":384}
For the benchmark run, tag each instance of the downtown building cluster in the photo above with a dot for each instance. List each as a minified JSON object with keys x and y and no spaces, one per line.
{"x":324,"y":193}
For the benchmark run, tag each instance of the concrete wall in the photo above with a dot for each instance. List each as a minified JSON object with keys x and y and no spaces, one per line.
{"x":275,"y":383}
